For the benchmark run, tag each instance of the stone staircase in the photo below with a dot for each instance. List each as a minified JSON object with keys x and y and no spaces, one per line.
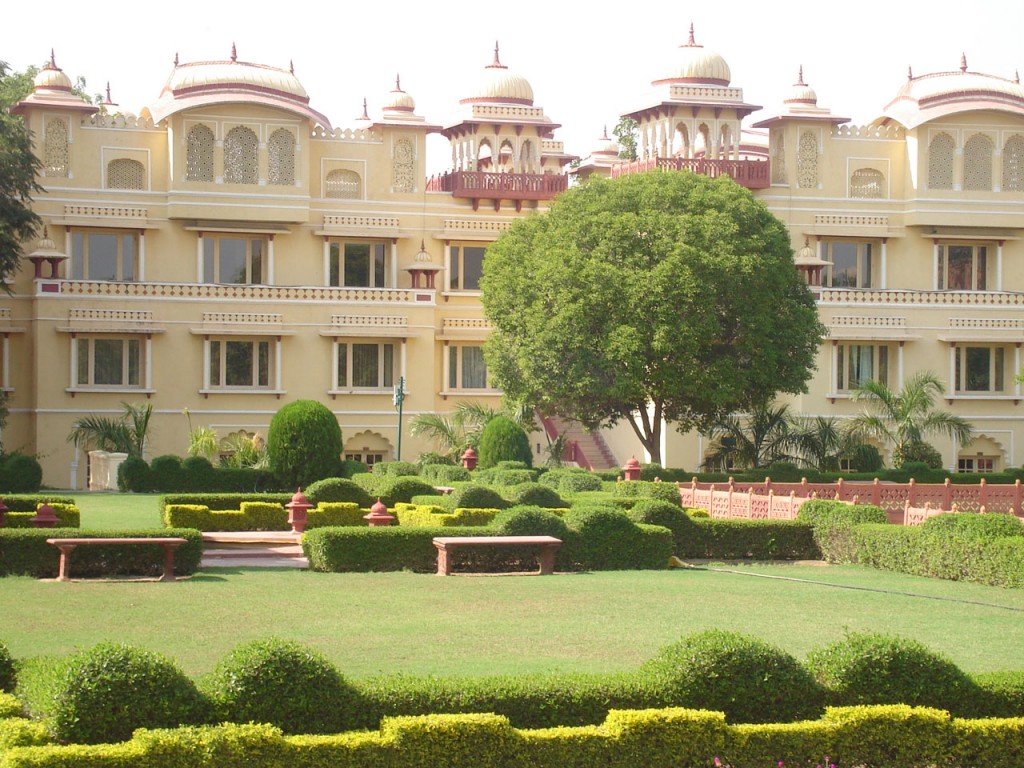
{"x":253,"y":549}
{"x":592,"y":445}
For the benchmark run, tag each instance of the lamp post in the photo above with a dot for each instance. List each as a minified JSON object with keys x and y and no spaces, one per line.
{"x":399,"y":398}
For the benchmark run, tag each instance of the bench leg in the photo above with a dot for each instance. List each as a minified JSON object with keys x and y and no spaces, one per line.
{"x":63,"y":573}
{"x":444,"y":567}
{"x":168,"y":562}
{"x":547,"y":559}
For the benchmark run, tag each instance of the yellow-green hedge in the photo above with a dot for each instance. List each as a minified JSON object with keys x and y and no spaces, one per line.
{"x":260,"y":516}
{"x":876,"y":737}
{"x":433,"y":516}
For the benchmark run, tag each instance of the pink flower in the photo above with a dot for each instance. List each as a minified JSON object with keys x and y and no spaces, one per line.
{"x":718,"y":763}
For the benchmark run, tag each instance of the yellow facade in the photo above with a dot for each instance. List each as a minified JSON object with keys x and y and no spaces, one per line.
{"x":229,"y":250}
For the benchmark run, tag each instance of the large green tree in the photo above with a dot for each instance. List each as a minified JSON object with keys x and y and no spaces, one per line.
{"x":18,"y":170}
{"x":662,"y":295}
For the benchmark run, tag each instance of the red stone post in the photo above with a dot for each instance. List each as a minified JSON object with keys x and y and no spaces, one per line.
{"x":298,"y":511}
{"x":469,"y":459}
{"x":378,"y":515}
{"x":45,"y":517}
{"x":631,"y":471}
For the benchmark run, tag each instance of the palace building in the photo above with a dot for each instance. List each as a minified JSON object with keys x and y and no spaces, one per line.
{"x":228,"y":249}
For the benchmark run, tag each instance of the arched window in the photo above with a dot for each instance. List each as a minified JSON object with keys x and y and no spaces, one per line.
{"x":527,"y":161}
{"x":1013,"y":164}
{"x":778,"y":155}
{"x":55,"y":148}
{"x":240,"y":153}
{"x":126,"y":174}
{"x":725,"y":142}
{"x":344,"y":184}
{"x":807,"y":160}
{"x":940,"y":162}
{"x":281,"y":158}
{"x":199,"y":154}
{"x":978,"y":163}
{"x":867,"y":182}
{"x":681,"y":141}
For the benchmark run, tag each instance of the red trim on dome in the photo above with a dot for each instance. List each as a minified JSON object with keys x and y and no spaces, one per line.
{"x":692,"y":81}
{"x":193,"y":90}
{"x":62,"y":88}
{"x":496,"y":100}
{"x":954,"y":96}
{"x":398,"y":109}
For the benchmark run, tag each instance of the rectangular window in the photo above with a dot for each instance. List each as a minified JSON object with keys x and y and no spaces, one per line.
{"x":365,"y":365}
{"x":466,"y":368}
{"x":851,"y":264}
{"x":104,"y":256}
{"x":108,"y":362}
{"x":859,"y":363}
{"x":467,"y":267}
{"x":369,"y":459}
{"x":233,"y":260}
{"x":241,"y":364}
{"x":980,"y":369}
{"x":358,"y":264}
{"x":963,"y":267}
{"x":979,"y":464}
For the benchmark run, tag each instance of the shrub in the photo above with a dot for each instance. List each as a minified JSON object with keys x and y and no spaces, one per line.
{"x":608,"y":540}
{"x":742,"y":676}
{"x":918,"y":452}
{"x":304,"y":443}
{"x":166,"y":473}
{"x":530,"y":521}
{"x":477,"y":496}
{"x":503,"y":440}
{"x":868,"y":668}
{"x":975,"y":527}
{"x":635,"y":489}
{"x":513,"y":464}
{"x":507,"y":477}
{"x":351,"y":467}
{"x":444,"y":474}
{"x":866,"y":458}
{"x":199,"y":474}
{"x":7,"y":674}
{"x":337,"y":489}
{"x":394,"y":490}
{"x":572,"y":480}
{"x":20,"y":474}
{"x":653,"y":471}
{"x":667,"y":515}
{"x":432,"y":458}
{"x":102,"y":694}
{"x":134,"y":475}
{"x":833,"y":523}
{"x":395,"y":468}
{"x":758,"y":539}
{"x":536,"y":495}
{"x":281,"y":683}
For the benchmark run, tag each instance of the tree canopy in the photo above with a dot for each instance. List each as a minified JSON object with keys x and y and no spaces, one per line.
{"x":666,"y":294}
{"x":18,"y":169}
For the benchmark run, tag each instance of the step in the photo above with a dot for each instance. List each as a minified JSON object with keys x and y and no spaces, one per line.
{"x":253,"y":552}
{"x":300,"y":563}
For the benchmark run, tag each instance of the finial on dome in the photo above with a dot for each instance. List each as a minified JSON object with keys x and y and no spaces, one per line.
{"x":175,"y":59}
{"x":910,"y":73}
{"x":234,"y":53}
{"x":800,"y":76}
{"x":497,"y":60}
{"x":963,"y":62}
{"x":1016,"y":76}
{"x":604,"y":136}
{"x":366,"y":115}
{"x":108,"y":101}
{"x":398,"y":82}
{"x":691,"y":42}
{"x":291,"y":66}
{"x":53,"y":61}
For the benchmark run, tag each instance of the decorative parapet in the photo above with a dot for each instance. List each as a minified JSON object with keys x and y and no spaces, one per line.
{"x":394,"y":326}
{"x":361,"y":135}
{"x":91,"y":320}
{"x":379,"y":321}
{"x":840,"y":296}
{"x":891,"y":131}
{"x":698,"y":93}
{"x":455,"y":229}
{"x":103,"y":212}
{"x":830,"y":220}
{"x":464,"y":328}
{"x":552,"y":147}
{"x":120,"y":120}
{"x":494,"y":112}
{"x":987,"y":323}
{"x":876,"y":321}
{"x":362,"y":222}
{"x":213,"y":292}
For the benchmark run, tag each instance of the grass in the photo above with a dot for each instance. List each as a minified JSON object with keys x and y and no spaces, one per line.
{"x":421,"y":624}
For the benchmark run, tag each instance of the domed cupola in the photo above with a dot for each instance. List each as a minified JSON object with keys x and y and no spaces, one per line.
{"x":802,"y":93}
{"x":606,"y":147}
{"x":694,"y":64}
{"x":501,"y":86}
{"x":52,"y":89}
{"x":52,"y":78}
{"x":398,"y":101}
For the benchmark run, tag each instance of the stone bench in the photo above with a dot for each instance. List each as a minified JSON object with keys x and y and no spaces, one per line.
{"x":67,"y":546}
{"x":548,"y":548}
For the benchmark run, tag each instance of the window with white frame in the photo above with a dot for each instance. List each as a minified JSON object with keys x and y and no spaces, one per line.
{"x":979,"y":369}
{"x":125,"y":173}
{"x":467,"y":267}
{"x":104,"y":255}
{"x":281,"y":158}
{"x":978,"y":152}
{"x":231,"y":259}
{"x":364,"y":365}
{"x":199,"y":154}
{"x":962,"y":267}
{"x":241,"y":148}
{"x":466,"y":367}
{"x":108,"y":361}
{"x":344,"y":184}
{"x":857,"y":364}
{"x":940,"y":162}
{"x":851,"y":263}
{"x":358,"y":264}
{"x":240,"y":363}
{"x":976,"y":464}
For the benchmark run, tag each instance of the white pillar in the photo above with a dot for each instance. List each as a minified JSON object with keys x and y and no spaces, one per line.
{"x":899,"y":366}
{"x":335,"y":350}
{"x":270,"y":260}
{"x":1016,"y":367}
{"x":394,"y":263}
{"x":199,"y":258}
{"x":935,"y":265}
{"x":883,"y":263}
{"x":447,"y":267}
{"x":277,"y":363}
{"x":74,"y":361}
{"x":149,"y":362}
{"x":834,"y":357}
{"x":327,"y":262}
{"x":403,"y":359}
{"x":142,"y":256}
{"x":206,"y":362}
{"x":446,"y":366}
{"x":999,"y":266}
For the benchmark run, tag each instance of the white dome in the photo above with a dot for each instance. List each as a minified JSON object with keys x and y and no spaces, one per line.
{"x":501,"y":86}
{"x":698,"y":65}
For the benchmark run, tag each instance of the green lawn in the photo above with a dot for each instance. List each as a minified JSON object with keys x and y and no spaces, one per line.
{"x":424,"y":624}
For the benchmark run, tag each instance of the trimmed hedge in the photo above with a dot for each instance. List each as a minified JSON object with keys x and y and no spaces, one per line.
{"x":607,"y":540}
{"x":536,"y":495}
{"x":24,"y":552}
{"x":338,"y":489}
{"x":193,"y":475}
{"x":67,"y":513}
{"x":394,"y":490}
{"x":877,"y":737}
{"x":571,"y":480}
{"x":634,"y":489}
{"x":304,"y":443}
{"x":444,"y":474}
{"x":716,"y":538}
{"x":476,"y":496}
{"x":20,"y":473}
{"x":221,"y":502}
{"x":503,"y":440}
{"x":833,"y":523}
{"x":259,"y":516}
{"x":30,"y":502}
{"x":102,"y":694}
{"x":7,"y":674}
{"x":433,"y":516}
{"x":396,"y":469}
{"x":284,"y":684}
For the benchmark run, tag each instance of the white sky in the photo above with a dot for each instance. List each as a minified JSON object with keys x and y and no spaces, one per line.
{"x":587,"y":61}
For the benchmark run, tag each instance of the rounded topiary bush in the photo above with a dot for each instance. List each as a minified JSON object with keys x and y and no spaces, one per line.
{"x":134,"y":475}
{"x":663,"y":513}
{"x":507,"y":477}
{"x":165,"y":474}
{"x":536,"y":494}
{"x":7,"y":673}
{"x":605,"y":536}
{"x":503,"y":440}
{"x":20,"y":474}
{"x":350,"y":467}
{"x":337,"y":489}
{"x":199,"y":474}
{"x":284,"y":684}
{"x":529,"y":521}
{"x":444,"y":474}
{"x":748,"y":679}
{"x":477,"y":497}
{"x":579,"y":482}
{"x":975,"y":527}
{"x":103,"y":694}
{"x":304,"y":444}
{"x":872,"y":668}
{"x":396,"y":469}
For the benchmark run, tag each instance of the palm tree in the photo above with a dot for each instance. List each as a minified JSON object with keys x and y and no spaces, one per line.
{"x":455,"y":433}
{"x":906,"y":418}
{"x":756,"y":439}
{"x":124,"y":434}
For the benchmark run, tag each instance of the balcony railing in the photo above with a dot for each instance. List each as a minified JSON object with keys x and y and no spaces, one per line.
{"x":900,"y":296}
{"x":752,"y":174}
{"x":517,"y":187}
